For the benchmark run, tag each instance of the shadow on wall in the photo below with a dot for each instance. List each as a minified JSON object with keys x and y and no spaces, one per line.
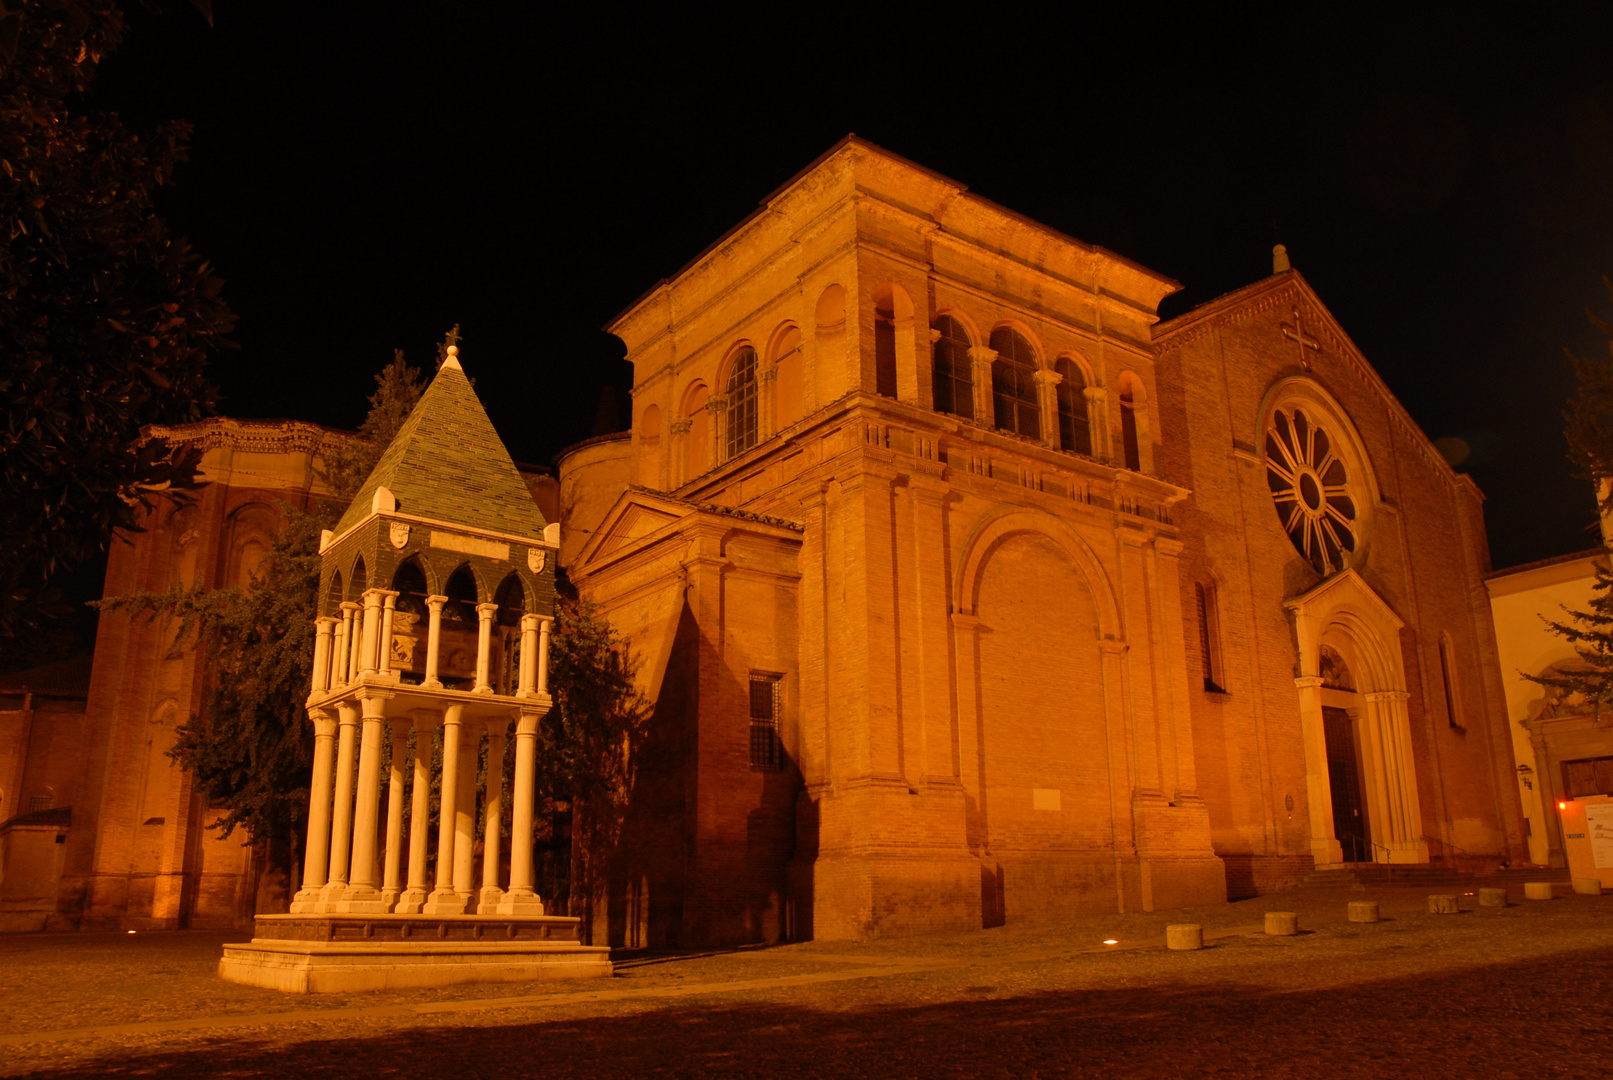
{"x":660,"y":885}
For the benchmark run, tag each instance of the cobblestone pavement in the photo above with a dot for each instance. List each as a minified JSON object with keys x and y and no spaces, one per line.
{"x":1522,"y":992}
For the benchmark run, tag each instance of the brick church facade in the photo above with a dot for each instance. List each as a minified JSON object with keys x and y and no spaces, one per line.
{"x":963,"y":591}
{"x":966,"y":592}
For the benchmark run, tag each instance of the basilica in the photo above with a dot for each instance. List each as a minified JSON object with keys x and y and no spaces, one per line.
{"x":961,"y":590}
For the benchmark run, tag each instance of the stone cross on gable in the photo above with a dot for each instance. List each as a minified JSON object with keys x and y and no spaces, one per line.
{"x":1295,"y":332}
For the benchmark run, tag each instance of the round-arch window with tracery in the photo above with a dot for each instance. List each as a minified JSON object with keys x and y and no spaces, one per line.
{"x":1310,"y":484}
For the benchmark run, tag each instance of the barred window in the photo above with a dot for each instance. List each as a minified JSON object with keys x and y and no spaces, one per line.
{"x":1075,"y":433}
{"x":1013,"y":384}
{"x":954,"y":372}
{"x":742,"y":403}
{"x":764,"y":716}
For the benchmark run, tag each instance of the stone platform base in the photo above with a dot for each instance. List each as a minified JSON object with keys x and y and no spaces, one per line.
{"x":322,"y":954}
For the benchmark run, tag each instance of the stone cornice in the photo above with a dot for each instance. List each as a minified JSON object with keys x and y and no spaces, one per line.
{"x":253,"y":436}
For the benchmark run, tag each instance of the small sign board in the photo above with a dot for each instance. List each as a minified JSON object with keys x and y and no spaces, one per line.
{"x":1599,"y":824}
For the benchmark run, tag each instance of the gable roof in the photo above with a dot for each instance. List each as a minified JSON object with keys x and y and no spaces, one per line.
{"x":447,"y":463}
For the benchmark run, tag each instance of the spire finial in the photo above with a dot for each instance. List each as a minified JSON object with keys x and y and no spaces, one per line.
{"x":452,"y":360}
{"x":1279,"y":259}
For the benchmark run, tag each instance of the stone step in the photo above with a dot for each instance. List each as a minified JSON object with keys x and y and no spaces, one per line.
{"x":1517,"y":875}
{"x":1335,"y":877}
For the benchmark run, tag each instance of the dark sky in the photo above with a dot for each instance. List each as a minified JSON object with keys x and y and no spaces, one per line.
{"x":366,"y":175}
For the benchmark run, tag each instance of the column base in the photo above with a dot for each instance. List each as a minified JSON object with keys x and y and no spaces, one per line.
{"x":389,"y":896}
{"x":487,"y":900}
{"x":444,"y":902}
{"x":332,"y":894}
{"x":308,"y":901}
{"x":519,"y":902}
{"x":410,"y":901}
{"x":360,"y":900}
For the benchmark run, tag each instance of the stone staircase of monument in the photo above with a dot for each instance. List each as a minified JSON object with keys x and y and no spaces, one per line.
{"x":1354,"y":874}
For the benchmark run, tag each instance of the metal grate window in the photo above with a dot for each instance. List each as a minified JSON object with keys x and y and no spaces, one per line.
{"x":764,"y":716}
{"x":742,"y":403}
{"x":1013,"y":384}
{"x":954,"y":371}
{"x":1075,"y":432}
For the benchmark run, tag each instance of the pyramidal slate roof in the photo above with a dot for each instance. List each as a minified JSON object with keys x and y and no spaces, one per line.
{"x":448,"y":463}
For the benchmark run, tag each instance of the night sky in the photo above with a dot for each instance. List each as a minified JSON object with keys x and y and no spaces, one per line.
{"x":366,"y":175}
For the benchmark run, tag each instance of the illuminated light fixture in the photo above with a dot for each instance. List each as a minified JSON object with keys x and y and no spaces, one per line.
{"x":1562,"y":806}
{"x":131,"y":931}
{"x":1111,"y":941}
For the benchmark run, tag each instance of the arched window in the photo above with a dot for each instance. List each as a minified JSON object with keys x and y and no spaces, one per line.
{"x":884,"y":345}
{"x":954,"y":372}
{"x":1075,"y":433}
{"x":1128,"y":430}
{"x":462,"y":598}
{"x":1311,"y":488}
{"x":742,"y":403}
{"x":1013,"y":384}
{"x":511,"y":601}
{"x":409,"y":582}
{"x":361,"y":581}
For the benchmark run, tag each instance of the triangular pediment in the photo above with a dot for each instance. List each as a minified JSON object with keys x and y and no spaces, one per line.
{"x":636,"y":515}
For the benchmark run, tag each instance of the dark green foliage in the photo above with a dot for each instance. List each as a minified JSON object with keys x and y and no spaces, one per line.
{"x":106,"y":321}
{"x":251,"y":748}
{"x":1591,"y":634}
{"x":1589,"y":430}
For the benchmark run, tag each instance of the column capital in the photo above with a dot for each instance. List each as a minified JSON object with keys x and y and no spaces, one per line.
{"x":1309,"y":682}
{"x":717,"y":404}
{"x":352,"y":605}
{"x":324,"y":723}
{"x":530,"y":622}
{"x":982,"y":355}
{"x":486,"y":611}
{"x":1047,"y":378}
{"x":681,"y":427}
{"x":1095,"y":393}
{"x":435,"y":603}
{"x":325,"y":624}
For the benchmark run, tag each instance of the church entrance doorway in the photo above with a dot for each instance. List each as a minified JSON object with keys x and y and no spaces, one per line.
{"x":1360,"y":770}
{"x":1344,"y":778}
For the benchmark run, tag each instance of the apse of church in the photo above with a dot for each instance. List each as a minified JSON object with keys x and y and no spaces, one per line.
{"x":1038,"y":587}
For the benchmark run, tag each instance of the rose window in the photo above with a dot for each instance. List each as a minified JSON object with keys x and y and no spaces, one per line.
{"x":1311,"y":487}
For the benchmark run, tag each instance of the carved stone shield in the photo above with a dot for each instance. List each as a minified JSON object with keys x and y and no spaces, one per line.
{"x":535,"y":558}
{"x":400,"y":533}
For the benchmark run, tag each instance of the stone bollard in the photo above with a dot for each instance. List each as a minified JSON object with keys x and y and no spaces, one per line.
{"x":1538,"y":890}
{"x":1363,"y":911}
{"x":1588,"y":886}
{"x":1282,"y":923}
{"x":1492,"y":898}
{"x":1184,"y":936}
{"x":1444,"y":904}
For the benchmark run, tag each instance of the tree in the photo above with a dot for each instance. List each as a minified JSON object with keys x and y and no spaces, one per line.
{"x":1588,"y":427}
{"x":251,"y":747}
{"x":106,"y":320}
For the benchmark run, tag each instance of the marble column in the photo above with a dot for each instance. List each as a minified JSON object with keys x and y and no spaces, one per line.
{"x":484,"y":647}
{"x":324,"y":626}
{"x":383,"y":659}
{"x":433,"y":640}
{"x":464,"y":815}
{"x":493,"y":816}
{"x":390,"y":880}
{"x":444,"y":900}
{"x":414,"y":897}
{"x":529,"y":656}
{"x":544,"y":625}
{"x":521,"y":899}
{"x":361,"y":894}
{"x":316,"y":856}
{"x":341,"y":829}
{"x":370,"y":642}
{"x":355,"y":641}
